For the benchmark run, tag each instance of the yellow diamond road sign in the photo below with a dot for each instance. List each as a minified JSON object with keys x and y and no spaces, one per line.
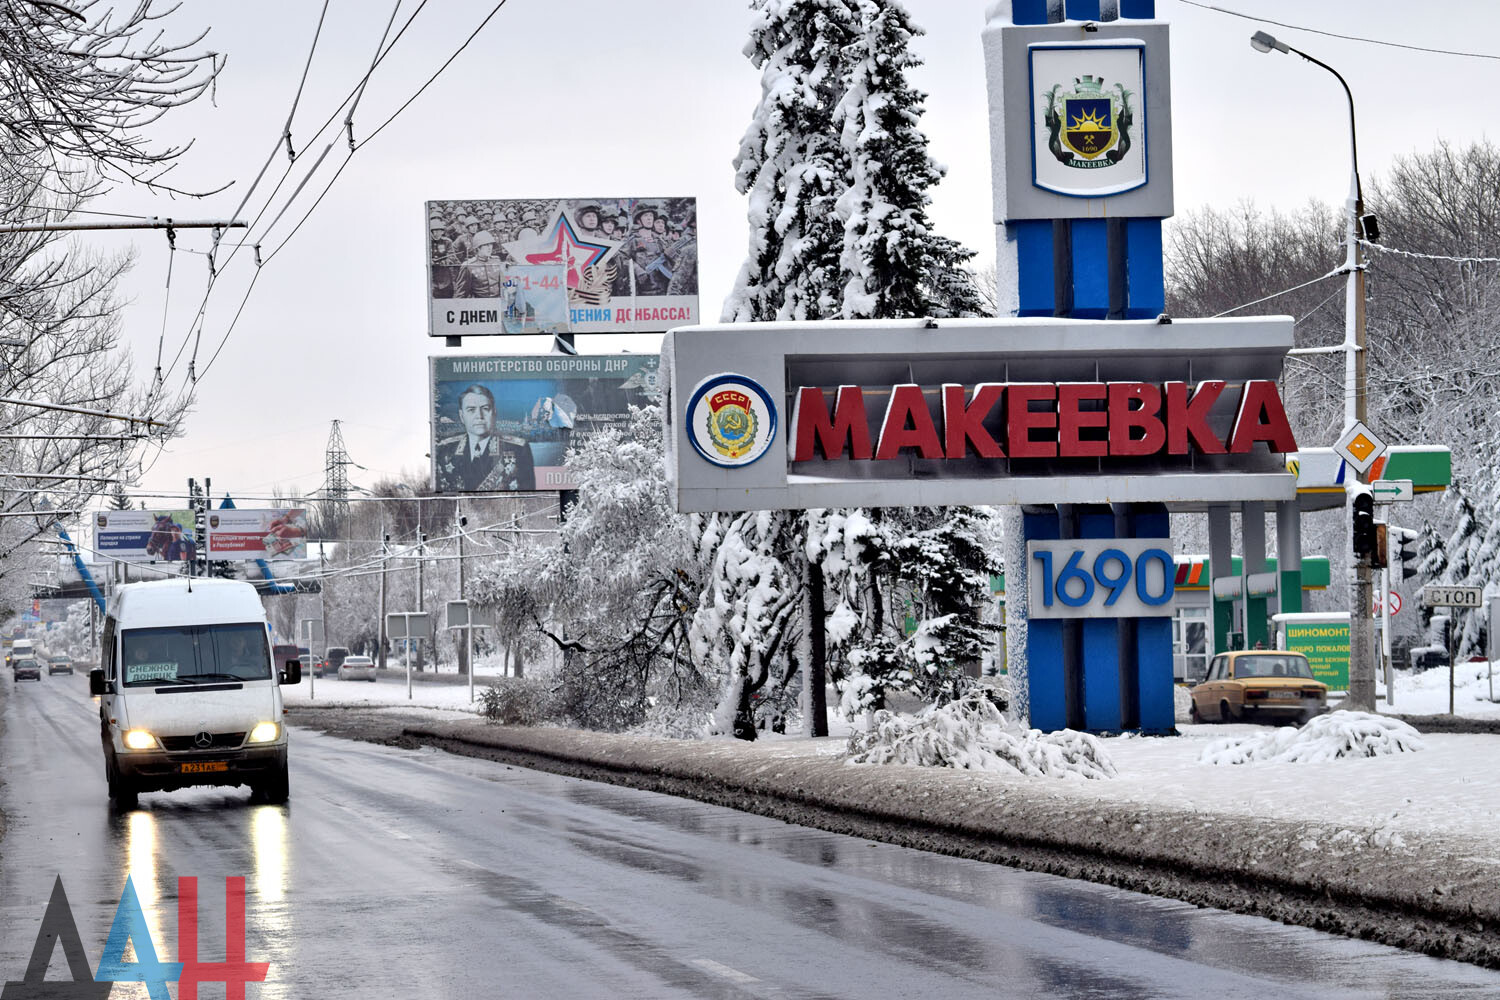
{"x":1360,"y":447}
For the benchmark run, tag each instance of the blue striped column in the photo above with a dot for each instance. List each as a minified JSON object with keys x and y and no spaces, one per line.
{"x":1035,"y":264}
{"x":1044,"y":638}
{"x":1100,"y":643}
{"x":1153,"y":636}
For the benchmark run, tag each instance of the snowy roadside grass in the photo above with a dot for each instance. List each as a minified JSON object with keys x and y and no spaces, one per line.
{"x":1325,"y":738}
{"x":971,"y":734}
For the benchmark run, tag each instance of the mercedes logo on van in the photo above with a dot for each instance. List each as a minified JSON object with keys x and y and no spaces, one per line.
{"x":203,"y":741}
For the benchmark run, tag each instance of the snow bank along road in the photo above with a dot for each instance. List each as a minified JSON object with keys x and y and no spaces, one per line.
{"x":1405,"y":882}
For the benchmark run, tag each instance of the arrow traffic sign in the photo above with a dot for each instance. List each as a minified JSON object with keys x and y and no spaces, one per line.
{"x":1391,"y":490}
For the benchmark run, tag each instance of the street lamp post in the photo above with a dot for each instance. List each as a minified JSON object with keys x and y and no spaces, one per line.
{"x":1361,"y":616}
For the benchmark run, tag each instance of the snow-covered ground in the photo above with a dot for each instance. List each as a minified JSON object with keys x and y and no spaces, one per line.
{"x":445,"y":701}
{"x":1450,"y":786}
{"x":1426,"y":693}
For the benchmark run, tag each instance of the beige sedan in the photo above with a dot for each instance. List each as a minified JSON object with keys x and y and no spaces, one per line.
{"x":1259,"y":685}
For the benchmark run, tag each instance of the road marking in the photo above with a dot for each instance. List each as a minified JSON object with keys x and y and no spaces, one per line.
{"x":724,"y":971}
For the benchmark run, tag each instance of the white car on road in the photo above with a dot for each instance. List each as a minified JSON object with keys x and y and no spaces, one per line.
{"x":357,"y":668}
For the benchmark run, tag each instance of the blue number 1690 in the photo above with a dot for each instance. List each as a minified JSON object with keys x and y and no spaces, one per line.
{"x":1113,"y":571}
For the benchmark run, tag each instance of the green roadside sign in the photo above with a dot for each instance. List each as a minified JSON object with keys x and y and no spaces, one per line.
{"x":1326,"y":646}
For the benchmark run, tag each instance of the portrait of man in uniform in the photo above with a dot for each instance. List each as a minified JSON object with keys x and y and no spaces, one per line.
{"x":480,"y":460}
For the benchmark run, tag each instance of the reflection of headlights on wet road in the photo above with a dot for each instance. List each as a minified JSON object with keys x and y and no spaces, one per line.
{"x":139,"y":739}
{"x":264,"y":732}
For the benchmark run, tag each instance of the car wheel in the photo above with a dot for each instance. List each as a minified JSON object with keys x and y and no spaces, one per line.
{"x":1226,"y":714}
{"x":122,"y":792}
{"x":275,"y":789}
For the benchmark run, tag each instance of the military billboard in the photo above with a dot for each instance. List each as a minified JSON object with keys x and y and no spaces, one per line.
{"x":580,"y":265}
{"x":145,"y":535}
{"x":504,"y":424}
{"x":238,"y":534}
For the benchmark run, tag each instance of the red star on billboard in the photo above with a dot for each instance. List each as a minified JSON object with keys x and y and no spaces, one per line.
{"x":569,"y":250}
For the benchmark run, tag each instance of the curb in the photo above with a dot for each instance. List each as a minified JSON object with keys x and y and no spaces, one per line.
{"x":1428,"y":897}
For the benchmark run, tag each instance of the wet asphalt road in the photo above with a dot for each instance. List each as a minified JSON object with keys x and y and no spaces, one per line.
{"x":414,"y":873}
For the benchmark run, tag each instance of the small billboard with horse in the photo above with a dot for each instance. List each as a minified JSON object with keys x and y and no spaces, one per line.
{"x":145,"y":535}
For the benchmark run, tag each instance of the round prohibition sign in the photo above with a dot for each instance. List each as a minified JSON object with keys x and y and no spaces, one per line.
{"x":1396,"y":603}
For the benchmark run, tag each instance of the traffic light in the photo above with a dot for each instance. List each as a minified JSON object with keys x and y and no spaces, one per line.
{"x":1381,"y":552}
{"x":1403,"y":549}
{"x":1364,"y":523}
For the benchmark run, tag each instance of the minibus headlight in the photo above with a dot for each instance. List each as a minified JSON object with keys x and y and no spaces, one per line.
{"x":139,"y":739}
{"x":264,"y":732}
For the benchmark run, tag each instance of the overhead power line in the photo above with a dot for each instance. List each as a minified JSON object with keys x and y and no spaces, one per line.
{"x":1428,"y":256}
{"x":1347,"y":38}
{"x":1337,"y":272}
{"x":196,"y":326}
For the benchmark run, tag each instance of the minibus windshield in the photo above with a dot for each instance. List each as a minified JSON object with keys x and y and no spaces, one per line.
{"x":194,"y":654}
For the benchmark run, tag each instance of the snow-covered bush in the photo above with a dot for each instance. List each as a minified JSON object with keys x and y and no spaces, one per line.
{"x":972,"y":733}
{"x":1327,"y":737}
{"x":517,"y":701}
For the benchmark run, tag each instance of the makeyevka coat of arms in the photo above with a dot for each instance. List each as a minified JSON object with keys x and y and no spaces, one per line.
{"x":1088,"y":126}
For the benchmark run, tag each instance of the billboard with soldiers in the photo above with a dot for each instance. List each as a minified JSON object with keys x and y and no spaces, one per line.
{"x":625,"y":265}
{"x":504,"y":424}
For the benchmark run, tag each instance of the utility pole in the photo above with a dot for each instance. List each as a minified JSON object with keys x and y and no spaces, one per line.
{"x":1361,"y":585}
{"x":199,"y":519}
{"x":421,"y":566}
{"x":465,"y":651}
{"x":323,"y":593}
{"x":385,"y":540}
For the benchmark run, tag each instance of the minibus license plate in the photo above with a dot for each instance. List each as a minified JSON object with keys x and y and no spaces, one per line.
{"x":202,"y":766}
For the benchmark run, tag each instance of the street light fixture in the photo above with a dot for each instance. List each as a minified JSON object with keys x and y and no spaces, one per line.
{"x":1361,"y":622}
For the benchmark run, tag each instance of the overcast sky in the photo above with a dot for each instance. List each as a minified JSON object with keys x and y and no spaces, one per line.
{"x":585,"y":98}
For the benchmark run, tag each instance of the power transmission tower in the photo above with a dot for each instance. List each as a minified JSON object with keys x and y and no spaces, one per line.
{"x":336,"y":482}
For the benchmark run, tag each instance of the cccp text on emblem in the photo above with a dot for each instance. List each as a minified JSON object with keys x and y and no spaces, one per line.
{"x":731,"y":420}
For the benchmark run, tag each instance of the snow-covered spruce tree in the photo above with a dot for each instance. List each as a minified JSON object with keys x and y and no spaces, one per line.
{"x":791,"y":165}
{"x":837,"y":174}
{"x":1464,"y":563}
{"x":1434,"y":561}
{"x":934,"y":561}
{"x":947,"y":566}
{"x":894,"y":265}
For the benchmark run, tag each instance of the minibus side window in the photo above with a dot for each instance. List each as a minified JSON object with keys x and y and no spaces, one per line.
{"x":107,"y":649}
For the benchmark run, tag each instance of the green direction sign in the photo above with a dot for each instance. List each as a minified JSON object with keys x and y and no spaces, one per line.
{"x":1391,"y":490}
{"x":1326,"y":646}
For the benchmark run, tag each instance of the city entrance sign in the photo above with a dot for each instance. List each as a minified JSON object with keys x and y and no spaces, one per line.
{"x":946,"y":412}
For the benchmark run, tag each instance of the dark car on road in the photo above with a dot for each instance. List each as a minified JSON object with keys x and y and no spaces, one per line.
{"x":333,"y":658}
{"x":26,"y":668}
{"x":59,"y":665}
